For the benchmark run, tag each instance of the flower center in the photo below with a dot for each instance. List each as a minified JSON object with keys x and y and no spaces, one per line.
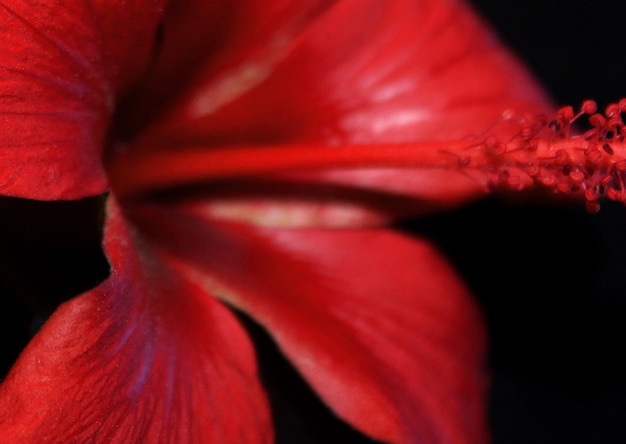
{"x":534,"y":150}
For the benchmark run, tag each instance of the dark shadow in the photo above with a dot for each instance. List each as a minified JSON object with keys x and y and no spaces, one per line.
{"x":551,"y":284}
{"x":49,"y":252}
{"x":300,"y":417}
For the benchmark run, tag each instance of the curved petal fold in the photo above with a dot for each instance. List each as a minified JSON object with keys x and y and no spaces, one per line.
{"x":376,"y":321}
{"x":345,"y":72}
{"x":145,"y":357}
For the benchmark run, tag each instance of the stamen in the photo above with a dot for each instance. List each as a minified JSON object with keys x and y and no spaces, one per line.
{"x":589,"y":107}
{"x":542,"y":151}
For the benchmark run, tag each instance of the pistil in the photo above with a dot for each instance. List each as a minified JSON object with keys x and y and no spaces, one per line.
{"x":517,"y":153}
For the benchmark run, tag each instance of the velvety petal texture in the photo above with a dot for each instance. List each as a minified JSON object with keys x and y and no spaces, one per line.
{"x":144,"y":358}
{"x":63,"y":67}
{"x":376,"y":321}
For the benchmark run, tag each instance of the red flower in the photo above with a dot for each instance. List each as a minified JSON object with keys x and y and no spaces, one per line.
{"x":192,"y":105}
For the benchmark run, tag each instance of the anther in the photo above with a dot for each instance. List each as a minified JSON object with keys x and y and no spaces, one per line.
{"x":597,"y":121}
{"x":612,"y":110}
{"x":591,"y":194}
{"x":563,"y":187}
{"x":547,"y":179}
{"x":616,"y":195}
{"x":532,"y":169}
{"x":565,"y":114}
{"x":615,"y":123}
{"x":515,"y":183}
{"x":577,"y":176}
{"x":561,"y":161}
{"x":594,"y":156}
{"x":589,"y":107}
{"x":526,"y":132}
{"x":561,"y":156}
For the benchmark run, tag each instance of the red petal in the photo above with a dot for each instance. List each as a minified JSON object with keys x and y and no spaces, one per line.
{"x":376,"y":321}
{"x":63,"y":66}
{"x":143,"y":358}
{"x":357,"y":72}
{"x":215,"y":47}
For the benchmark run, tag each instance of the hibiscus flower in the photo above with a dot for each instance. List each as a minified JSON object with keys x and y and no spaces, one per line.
{"x":247,"y":152}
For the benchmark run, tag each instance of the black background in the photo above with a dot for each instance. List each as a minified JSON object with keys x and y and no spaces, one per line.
{"x":553,"y":281}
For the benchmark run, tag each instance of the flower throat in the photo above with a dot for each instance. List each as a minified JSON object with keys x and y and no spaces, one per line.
{"x":518,"y":152}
